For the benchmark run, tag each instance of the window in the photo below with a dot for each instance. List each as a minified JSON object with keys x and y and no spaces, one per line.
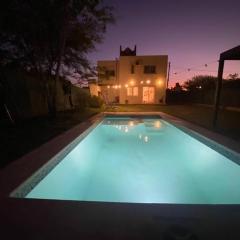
{"x":135,"y":91}
{"x":132,"y":91}
{"x":149,"y":69}
{"x":110,"y":73}
{"x":129,"y":91}
{"x":132,"y":69}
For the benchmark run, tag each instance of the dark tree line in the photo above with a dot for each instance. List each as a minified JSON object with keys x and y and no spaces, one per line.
{"x":201,"y":89}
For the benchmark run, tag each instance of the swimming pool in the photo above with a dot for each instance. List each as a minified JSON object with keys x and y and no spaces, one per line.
{"x":141,"y":160}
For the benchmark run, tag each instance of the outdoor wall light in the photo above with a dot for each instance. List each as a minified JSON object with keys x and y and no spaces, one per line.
{"x":148,"y":81}
{"x":108,"y":86}
{"x":159,"y":82}
{"x":126,"y":85}
{"x":141,"y":82}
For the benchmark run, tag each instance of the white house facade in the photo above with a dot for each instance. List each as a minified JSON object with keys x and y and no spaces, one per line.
{"x":132,"y":79}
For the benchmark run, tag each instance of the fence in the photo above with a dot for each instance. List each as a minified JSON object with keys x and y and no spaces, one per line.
{"x":26,"y":94}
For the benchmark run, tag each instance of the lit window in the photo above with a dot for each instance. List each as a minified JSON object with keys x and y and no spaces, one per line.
{"x":132,"y":91}
{"x":129,"y":91}
{"x":135,"y":91}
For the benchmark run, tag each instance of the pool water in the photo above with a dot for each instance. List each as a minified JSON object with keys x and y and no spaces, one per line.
{"x":142,"y":161}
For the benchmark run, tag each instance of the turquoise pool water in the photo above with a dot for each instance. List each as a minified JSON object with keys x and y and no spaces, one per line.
{"x":142,"y":161}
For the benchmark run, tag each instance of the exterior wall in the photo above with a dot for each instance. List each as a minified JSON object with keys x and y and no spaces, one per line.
{"x":117,"y":86}
{"x":157,"y":80}
{"x":108,"y":83}
{"x":109,"y":66}
{"x":94,"y":89}
{"x":26,"y":95}
{"x":109,"y":94}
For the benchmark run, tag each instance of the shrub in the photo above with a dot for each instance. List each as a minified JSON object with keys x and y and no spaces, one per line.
{"x":81,"y":98}
{"x":95,"y":102}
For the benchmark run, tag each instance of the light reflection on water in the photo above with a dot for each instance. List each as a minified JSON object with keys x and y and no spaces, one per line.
{"x":127,"y":126}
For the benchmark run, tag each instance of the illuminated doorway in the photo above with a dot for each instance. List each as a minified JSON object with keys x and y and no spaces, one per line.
{"x":148,"y":94}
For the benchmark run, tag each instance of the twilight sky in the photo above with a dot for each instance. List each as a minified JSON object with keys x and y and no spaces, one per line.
{"x":191,"y":32}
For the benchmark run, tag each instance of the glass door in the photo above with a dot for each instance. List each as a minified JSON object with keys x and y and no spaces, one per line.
{"x":148,"y":94}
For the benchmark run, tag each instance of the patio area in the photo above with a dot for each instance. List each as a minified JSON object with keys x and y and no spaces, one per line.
{"x":47,"y":219}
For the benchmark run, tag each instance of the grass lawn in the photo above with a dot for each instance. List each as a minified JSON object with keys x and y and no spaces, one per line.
{"x":228,"y":124}
{"x":15,"y":141}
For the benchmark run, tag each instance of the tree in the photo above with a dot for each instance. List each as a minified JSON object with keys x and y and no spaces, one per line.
{"x":200,"y":82}
{"x":177,"y":87}
{"x":51,"y":37}
{"x":233,"y":76}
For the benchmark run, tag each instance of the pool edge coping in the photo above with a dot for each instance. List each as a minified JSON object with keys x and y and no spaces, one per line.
{"x":26,"y":186}
{"x":66,"y":141}
{"x":91,"y":220}
{"x":33,"y":162}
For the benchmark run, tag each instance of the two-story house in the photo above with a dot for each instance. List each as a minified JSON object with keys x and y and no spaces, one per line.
{"x":132,"y":79}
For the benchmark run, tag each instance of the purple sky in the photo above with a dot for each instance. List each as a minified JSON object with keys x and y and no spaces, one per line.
{"x":192,"y":33}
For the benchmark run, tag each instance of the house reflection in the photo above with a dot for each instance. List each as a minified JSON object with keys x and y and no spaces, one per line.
{"x":150,"y":126}
{"x":157,"y":124}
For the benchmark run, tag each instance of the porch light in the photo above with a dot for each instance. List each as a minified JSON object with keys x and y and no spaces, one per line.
{"x":141,"y":82}
{"x":126,"y":85}
{"x":148,"y":81}
{"x":132,"y":82}
{"x":159,"y":82}
{"x":108,"y":86}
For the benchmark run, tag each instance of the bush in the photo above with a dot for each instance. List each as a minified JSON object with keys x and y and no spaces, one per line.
{"x":80,"y":98}
{"x":95,"y":102}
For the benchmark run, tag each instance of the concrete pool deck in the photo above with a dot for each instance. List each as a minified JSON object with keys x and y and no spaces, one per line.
{"x":54,"y":219}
